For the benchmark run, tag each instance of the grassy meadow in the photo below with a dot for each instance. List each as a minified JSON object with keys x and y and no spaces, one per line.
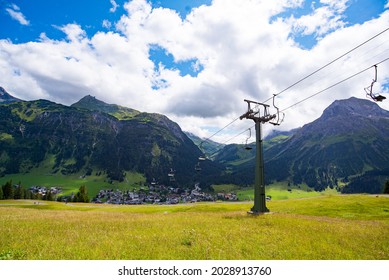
{"x":277,"y":191}
{"x":324,"y":227}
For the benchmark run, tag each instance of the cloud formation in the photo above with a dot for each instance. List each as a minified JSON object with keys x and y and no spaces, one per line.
{"x":247,"y":50}
{"x":114,"y":6}
{"x":16,"y":14}
{"x":321,"y":20}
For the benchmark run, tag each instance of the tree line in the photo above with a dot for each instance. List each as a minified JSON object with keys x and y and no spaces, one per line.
{"x":10,"y":191}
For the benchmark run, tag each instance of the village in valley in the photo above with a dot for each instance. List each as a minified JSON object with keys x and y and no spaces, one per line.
{"x":159,"y":194}
{"x":152,"y":193}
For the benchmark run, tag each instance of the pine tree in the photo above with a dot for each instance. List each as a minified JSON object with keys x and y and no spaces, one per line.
{"x":18,"y":194}
{"x":82,"y":195}
{"x":49,"y":196}
{"x":27,"y":194}
{"x":8,"y":190}
{"x":1,"y":193}
{"x":386,"y":187}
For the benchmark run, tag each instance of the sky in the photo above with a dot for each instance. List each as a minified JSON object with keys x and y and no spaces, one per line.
{"x":196,"y":61}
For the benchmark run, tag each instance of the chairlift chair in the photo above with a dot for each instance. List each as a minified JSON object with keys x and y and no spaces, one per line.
{"x":247,"y":147}
{"x":379,"y":98}
{"x":279,"y":120}
{"x":171,"y":173}
{"x":369,"y":89}
{"x":202,"y":157}
{"x":198,"y":167}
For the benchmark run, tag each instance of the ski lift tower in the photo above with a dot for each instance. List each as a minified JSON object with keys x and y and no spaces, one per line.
{"x":259,"y":116}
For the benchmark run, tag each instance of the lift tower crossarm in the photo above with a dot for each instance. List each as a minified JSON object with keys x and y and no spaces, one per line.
{"x":251,"y":114}
{"x":259,"y":189}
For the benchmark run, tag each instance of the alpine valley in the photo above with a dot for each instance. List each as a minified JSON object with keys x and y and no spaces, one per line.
{"x":346,"y":148}
{"x":92,"y":137}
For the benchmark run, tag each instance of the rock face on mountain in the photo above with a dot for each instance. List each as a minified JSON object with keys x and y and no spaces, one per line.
{"x":350,"y":138}
{"x":92,"y":136}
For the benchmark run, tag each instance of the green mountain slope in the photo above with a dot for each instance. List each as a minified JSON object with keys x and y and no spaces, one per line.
{"x":91,"y":103}
{"x":350,"y":138}
{"x":208,"y":147}
{"x":347,"y":147}
{"x":90,"y":137}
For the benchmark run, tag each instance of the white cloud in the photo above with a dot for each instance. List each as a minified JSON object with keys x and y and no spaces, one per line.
{"x":114,"y":6}
{"x":15,"y":7}
{"x":106,"y":24}
{"x":15,"y":13}
{"x":321,"y":20}
{"x":244,"y":50}
{"x":73,"y":32}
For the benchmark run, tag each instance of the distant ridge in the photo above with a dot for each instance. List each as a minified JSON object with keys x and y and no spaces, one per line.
{"x":6,"y":98}
{"x":350,"y":138}
{"x":91,"y":103}
{"x":207,"y":146}
{"x":94,"y":138}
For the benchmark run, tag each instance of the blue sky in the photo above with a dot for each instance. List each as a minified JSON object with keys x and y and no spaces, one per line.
{"x":194,"y":61}
{"x":356,"y":12}
{"x":44,"y":16}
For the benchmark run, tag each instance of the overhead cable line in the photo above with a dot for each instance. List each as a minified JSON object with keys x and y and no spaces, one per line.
{"x":328,"y":64}
{"x":217,"y":150}
{"x":333,"y":85}
{"x":224,"y":127}
{"x":302,"y":79}
{"x":225,"y":142}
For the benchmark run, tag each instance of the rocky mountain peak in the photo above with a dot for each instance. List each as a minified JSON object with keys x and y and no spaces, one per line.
{"x":89,"y":102}
{"x":353,"y":107}
{"x":351,"y":116}
{"x":93,"y":104}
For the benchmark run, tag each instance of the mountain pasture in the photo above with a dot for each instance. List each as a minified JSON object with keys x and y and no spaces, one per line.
{"x":326,"y":227}
{"x":71,"y":183}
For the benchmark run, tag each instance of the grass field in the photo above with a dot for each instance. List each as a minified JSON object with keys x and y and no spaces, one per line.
{"x":277,"y":191}
{"x":325,"y":227}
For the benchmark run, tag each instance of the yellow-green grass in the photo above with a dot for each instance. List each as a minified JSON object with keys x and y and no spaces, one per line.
{"x":277,"y":193}
{"x":326,"y":227}
{"x":226,"y":188}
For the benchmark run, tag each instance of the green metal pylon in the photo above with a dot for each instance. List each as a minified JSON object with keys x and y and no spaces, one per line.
{"x":259,"y":188}
{"x":258,"y":117}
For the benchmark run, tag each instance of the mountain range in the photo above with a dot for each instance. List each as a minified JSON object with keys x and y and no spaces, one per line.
{"x":351,"y":138}
{"x":92,"y":136}
{"x":348,"y":146}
